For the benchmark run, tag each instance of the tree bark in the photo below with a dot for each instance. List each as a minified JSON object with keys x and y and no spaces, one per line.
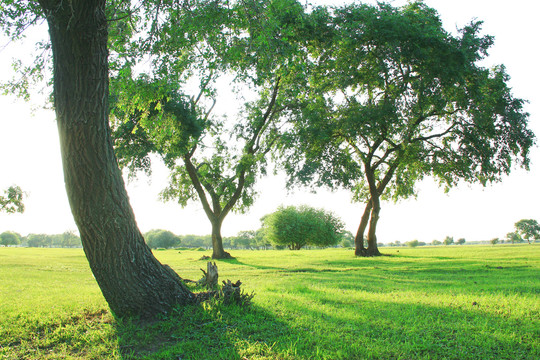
{"x":218,"y":252}
{"x":360,"y":250}
{"x":372,"y":249}
{"x":132,"y":280}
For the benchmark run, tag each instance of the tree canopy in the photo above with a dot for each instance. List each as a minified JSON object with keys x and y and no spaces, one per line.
{"x":253,"y":47}
{"x":393,"y":98}
{"x":528,"y":229}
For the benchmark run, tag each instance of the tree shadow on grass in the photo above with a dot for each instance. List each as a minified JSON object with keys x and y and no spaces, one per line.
{"x":208,"y":331}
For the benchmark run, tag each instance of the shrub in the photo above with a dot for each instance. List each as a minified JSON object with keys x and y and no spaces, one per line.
{"x":161,"y":239}
{"x":10,"y":238}
{"x":296,"y":227}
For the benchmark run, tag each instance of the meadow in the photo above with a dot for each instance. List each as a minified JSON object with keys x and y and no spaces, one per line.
{"x":447,"y":302}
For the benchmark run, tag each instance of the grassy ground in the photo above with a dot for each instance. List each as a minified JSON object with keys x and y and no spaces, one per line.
{"x":471,"y":302}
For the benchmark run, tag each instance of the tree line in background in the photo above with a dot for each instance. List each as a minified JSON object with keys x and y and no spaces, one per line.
{"x":287,"y":228}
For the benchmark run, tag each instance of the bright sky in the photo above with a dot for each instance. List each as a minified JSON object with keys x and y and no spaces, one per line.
{"x":30,"y":158}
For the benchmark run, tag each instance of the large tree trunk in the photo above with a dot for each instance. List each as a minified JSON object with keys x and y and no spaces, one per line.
{"x":360,"y":250}
{"x":131,"y":279}
{"x":217,"y":242}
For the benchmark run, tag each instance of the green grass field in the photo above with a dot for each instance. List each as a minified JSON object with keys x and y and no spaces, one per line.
{"x":470,"y":302}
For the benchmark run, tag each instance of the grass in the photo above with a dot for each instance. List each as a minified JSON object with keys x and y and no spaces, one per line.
{"x":470,"y":302}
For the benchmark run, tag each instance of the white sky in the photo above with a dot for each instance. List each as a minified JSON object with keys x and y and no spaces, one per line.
{"x":30,"y":158}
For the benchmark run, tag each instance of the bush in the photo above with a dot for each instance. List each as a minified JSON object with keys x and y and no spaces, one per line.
{"x":413,"y":243}
{"x":161,"y":239}
{"x":9,"y":238}
{"x":296,"y":227}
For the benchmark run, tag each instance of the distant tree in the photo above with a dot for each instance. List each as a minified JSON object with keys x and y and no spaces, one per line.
{"x":412,"y":243}
{"x":394,"y":98}
{"x":296,"y":227}
{"x":436,"y":242}
{"x":461,"y":241}
{"x":70,"y":239}
{"x":39,"y":240}
{"x":12,"y":200}
{"x":494,"y":241}
{"x":10,"y":238}
{"x":513,"y":237}
{"x":161,"y":239}
{"x":347,"y":239}
{"x":449,"y":240}
{"x":528,"y":229}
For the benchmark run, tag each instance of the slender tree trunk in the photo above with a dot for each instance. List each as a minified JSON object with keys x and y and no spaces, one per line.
{"x":375,"y":202}
{"x":372,"y":249}
{"x":217,"y":242}
{"x":132,"y":281}
{"x":360,"y":250}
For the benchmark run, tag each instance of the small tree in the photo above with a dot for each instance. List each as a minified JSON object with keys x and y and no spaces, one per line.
{"x":436,"y":242}
{"x":10,"y":238}
{"x":494,"y":241}
{"x":161,"y":239}
{"x":513,"y":237}
{"x":347,"y":239}
{"x":461,"y":241}
{"x":528,"y":229}
{"x":413,"y":243}
{"x":449,"y":240}
{"x":296,"y":227}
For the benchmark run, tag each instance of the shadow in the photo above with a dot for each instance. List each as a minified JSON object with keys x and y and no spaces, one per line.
{"x":207,"y":331}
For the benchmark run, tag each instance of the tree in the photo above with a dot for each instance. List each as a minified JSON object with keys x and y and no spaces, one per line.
{"x":131,"y":279}
{"x":494,"y":241}
{"x":461,"y":241}
{"x":413,"y":243}
{"x":449,"y":240}
{"x":436,"y":242}
{"x":210,"y":160}
{"x":528,"y":229}
{"x":10,"y":238}
{"x":513,"y":237}
{"x":161,"y":239}
{"x":12,"y":200}
{"x":393,"y":98}
{"x":296,"y":227}
{"x":347,"y":239}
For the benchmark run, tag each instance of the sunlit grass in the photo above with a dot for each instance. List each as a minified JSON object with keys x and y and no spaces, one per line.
{"x":471,"y":302}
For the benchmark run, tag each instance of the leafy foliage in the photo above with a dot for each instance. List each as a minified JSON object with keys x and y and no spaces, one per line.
{"x":12,"y":200}
{"x":392,"y":98}
{"x":528,"y":229}
{"x":10,"y":238}
{"x":253,"y":47}
{"x":161,"y":239}
{"x":296,"y":227}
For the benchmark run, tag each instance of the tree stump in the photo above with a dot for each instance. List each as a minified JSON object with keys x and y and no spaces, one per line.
{"x":210,"y":276}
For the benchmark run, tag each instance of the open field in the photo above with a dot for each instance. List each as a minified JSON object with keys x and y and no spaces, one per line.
{"x":472,"y":302}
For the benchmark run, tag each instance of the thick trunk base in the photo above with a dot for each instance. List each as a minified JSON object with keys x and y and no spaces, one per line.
{"x":221,"y":255}
{"x":367,"y":252}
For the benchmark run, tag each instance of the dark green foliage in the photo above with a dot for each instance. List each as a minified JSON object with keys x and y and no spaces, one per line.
{"x":296,"y":227}
{"x":65,"y":240}
{"x":461,"y":241}
{"x":12,"y":200}
{"x":528,"y":229}
{"x":393,"y":98}
{"x":161,"y":239}
{"x":10,"y":238}
{"x":449,"y":240}
{"x":413,"y":243}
